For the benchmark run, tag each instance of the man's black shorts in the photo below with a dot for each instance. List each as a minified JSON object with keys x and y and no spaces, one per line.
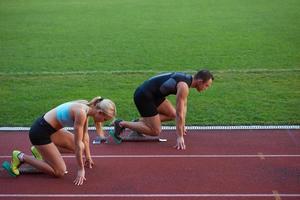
{"x":146,"y":103}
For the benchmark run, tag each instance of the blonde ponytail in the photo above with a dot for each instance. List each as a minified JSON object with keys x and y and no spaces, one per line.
{"x":106,"y":106}
{"x":94,"y":101}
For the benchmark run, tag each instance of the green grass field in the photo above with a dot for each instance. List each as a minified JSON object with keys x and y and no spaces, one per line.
{"x":56,"y":51}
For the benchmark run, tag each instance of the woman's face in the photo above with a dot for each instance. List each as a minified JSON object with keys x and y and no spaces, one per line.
{"x":101,"y":117}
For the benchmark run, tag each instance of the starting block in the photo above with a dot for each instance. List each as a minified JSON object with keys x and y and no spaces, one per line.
{"x":128,"y":138}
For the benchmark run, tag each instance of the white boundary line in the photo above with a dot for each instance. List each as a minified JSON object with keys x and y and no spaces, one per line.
{"x":145,"y":195}
{"x":80,"y":72}
{"x":182,"y":156}
{"x":252,"y":127}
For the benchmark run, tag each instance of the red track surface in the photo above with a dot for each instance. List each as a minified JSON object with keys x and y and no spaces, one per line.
{"x":245,"y":164}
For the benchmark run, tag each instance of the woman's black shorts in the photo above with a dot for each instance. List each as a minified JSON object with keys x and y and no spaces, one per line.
{"x":40,"y":132}
{"x":146,"y":103}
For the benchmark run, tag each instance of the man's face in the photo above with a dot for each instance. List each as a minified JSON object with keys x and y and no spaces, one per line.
{"x":201,"y":86}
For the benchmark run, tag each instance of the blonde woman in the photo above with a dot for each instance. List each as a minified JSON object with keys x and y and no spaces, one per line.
{"x":47,"y":134}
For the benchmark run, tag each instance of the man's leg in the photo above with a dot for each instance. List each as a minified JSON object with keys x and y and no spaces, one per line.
{"x":166,"y":111}
{"x":147,"y":125}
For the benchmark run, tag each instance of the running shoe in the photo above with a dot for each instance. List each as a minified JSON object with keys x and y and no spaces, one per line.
{"x":36,"y":153}
{"x":6,"y":166}
{"x":116,"y":138}
{"x":15,"y":162}
{"x":118,"y":128}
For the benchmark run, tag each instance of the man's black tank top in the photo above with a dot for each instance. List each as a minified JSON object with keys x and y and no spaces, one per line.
{"x":165,"y":84}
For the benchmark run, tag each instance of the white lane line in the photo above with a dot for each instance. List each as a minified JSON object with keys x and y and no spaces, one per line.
{"x":180,"y":156}
{"x":143,"y":195}
{"x":84,"y":72}
{"x":252,"y":127}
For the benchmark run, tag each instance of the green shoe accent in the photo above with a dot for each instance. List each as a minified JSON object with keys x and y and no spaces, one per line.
{"x":36,"y":153}
{"x":117,"y":140}
{"x":7,"y":167}
{"x":15,"y":162}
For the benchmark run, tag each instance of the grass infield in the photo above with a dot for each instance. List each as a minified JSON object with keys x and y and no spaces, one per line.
{"x":55,"y":51}
{"x":234,"y":98}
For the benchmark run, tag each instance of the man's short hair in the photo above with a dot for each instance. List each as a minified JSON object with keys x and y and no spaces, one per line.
{"x":204,"y":75}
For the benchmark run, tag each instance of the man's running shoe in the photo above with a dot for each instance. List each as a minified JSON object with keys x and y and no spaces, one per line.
{"x":36,"y":153}
{"x":116,"y":138}
{"x":118,"y":128}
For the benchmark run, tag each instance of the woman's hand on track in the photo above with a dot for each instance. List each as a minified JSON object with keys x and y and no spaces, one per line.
{"x":80,"y":177}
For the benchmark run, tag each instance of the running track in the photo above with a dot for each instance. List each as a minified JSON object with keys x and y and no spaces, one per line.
{"x":238,"y":164}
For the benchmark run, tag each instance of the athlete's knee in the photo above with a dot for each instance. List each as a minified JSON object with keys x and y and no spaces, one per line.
{"x":156,"y":131}
{"x":60,"y":172}
{"x":172,"y":115}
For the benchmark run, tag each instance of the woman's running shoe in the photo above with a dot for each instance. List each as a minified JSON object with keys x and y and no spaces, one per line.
{"x":36,"y":153}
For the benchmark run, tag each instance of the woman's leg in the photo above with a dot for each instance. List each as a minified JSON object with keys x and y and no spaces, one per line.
{"x":52,"y":163}
{"x":64,"y":140}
